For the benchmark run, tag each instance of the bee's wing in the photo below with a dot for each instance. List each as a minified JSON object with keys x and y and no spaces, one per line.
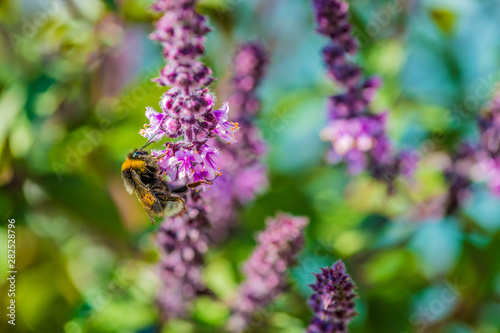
{"x":150,"y":203}
{"x":150,"y":216}
{"x":128,"y":186}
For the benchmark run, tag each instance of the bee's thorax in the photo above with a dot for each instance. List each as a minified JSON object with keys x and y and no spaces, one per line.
{"x":133,"y":164}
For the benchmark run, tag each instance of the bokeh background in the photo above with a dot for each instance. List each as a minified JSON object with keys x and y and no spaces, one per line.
{"x":74,"y":84}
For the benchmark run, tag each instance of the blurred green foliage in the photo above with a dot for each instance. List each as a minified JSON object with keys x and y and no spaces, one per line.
{"x":74,"y":82}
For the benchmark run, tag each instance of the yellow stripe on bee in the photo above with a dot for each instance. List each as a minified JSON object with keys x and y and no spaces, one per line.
{"x":148,"y":199}
{"x":133,"y":164}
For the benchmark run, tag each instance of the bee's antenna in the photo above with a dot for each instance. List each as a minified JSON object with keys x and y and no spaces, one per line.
{"x":148,"y":142}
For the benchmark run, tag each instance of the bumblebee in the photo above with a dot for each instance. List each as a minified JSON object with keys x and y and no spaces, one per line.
{"x":142,"y":176}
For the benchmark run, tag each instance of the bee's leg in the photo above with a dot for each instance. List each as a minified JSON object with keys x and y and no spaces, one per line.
{"x":179,"y":190}
{"x":174,"y":206}
{"x":159,"y":157}
{"x":186,"y":187}
{"x":196,"y":184}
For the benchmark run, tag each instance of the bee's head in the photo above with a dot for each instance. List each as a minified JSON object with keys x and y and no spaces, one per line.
{"x":138,"y":154}
{"x":141,"y":154}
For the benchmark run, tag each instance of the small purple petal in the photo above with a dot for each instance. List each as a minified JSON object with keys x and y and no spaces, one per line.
{"x":154,"y":128}
{"x":225,"y":129}
{"x":184,"y":160}
{"x":209,"y":156}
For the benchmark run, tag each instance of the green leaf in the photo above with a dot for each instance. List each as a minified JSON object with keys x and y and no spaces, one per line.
{"x":445,"y":20}
{"x":88,"y":202}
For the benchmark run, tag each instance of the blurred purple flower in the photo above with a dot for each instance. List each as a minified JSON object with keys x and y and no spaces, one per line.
{"x":358,"y":137}
{"x":332,"y":18}
{"x":476,"y":162}
{"x":489,"y":125}
{"x":488,"y":169}
{"x":333,"y":300}
{"x":354,"y":101}
{"x":265,"y":270}
{"x":358,"y":134}
{"x":243,"y":175}
{"x":489,"y":154}
{"x":250,"y":182}
{"x":182,"y":243}
{"x":250,"y":63}
{"x":458,"y":169}
{"x":458,"y":177}
{"x":388,"y":170}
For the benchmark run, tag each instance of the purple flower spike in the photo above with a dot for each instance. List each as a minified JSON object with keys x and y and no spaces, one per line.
{"x":250,"y":63}
{"x":332,"y":17}
{"x":266,"y":269}
{"x":332,"y":301}
{"x":187,"y":108}
{"x":489,"y":124}
{"x":187,"y":116}
{"x":479,"y":161}
{"x":358,"y":137}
